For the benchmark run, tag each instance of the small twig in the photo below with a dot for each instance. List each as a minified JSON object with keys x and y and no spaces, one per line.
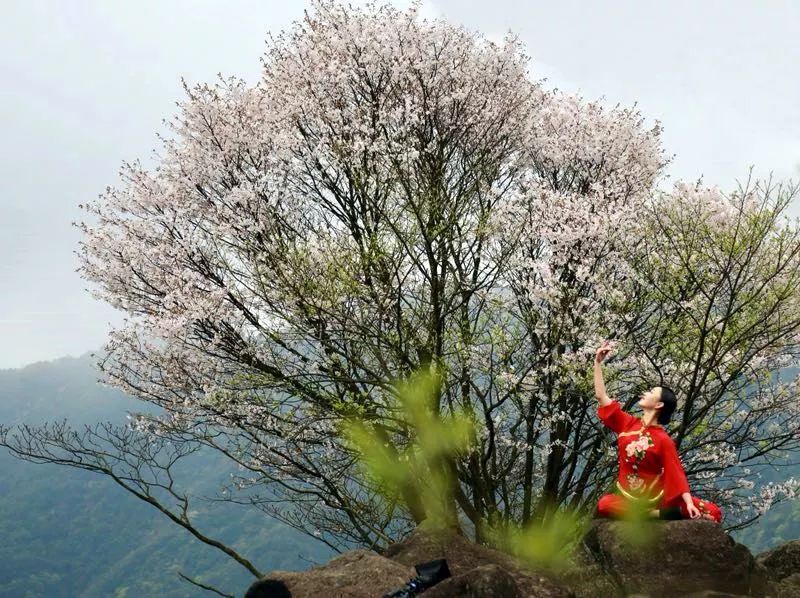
{"x":311,"y":561}
{"x":205,"y":587}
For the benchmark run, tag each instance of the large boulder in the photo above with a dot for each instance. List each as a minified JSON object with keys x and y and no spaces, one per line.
{"x":783,"y":565}
{"x":486,"y":581}
{"x":782,"y":561}
{"x":788,"y":587}
{"x":475,"y":571}
{"x":353,"y":574}
{"x":685,"y":557}
{"x":465,"y":559}
{"x":713,"y":594}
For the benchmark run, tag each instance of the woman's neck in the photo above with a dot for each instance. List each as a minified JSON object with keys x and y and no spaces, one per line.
{"x":648,"y":417}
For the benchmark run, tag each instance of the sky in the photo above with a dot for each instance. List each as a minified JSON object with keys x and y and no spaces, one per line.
{"x":86,"y":86}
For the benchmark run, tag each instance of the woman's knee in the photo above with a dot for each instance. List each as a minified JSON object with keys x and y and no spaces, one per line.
{"x":610,"y":505}
{"x":708,"y":510}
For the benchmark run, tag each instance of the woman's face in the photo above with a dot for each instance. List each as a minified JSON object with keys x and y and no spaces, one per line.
{"x":651,"y":399}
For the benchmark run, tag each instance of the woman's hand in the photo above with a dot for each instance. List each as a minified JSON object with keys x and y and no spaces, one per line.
{"x":694,"y":512}
{"x":603,"y":351}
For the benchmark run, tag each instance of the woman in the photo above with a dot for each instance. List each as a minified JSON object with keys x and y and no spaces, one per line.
{"x":649,"y":467}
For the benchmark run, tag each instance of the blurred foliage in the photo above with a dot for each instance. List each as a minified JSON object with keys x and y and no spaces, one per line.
{"x":419,"y":467}
{"x":548,"y":543}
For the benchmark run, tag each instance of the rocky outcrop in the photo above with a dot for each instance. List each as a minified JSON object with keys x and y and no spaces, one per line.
{"x":788,"y":587}
{"x":354,"y":574}
{"x":475,"y":571}
{"x":783,"y":560}
{"x":783,"y":566}
{"x":465,"y":557}
{"x":686,"y":558}
{"x":486,"y":581}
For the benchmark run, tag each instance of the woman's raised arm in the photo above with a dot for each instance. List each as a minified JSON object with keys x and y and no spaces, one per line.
{"x":599,"y":386}
{"x":608,"y":410}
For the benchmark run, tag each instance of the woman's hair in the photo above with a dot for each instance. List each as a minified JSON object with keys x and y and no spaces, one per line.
{"x":670,"y":403}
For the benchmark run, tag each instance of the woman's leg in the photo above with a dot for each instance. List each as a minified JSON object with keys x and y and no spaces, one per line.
{"x":615,"y":506}
{"x":611,"y":505}
{"x":708,"y":510}
{"x":670,"y":513}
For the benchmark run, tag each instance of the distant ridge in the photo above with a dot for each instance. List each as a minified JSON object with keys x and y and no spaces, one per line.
{"x":68,"y":532}
{"x":56,"y":360}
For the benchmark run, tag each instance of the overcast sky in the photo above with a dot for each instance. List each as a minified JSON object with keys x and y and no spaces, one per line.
{"x":85,"y":86}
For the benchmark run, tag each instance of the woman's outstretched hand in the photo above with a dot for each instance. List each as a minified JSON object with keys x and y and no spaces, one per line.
{"x":603,"y":351}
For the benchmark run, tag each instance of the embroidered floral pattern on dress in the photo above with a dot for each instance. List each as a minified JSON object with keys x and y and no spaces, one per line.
{"x":636,"y":451}
{"x":634,"y":481}
{"x":637,"y":448}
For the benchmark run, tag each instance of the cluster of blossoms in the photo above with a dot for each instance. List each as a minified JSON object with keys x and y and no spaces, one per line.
{"x":721,"y":455}
{"x":768,"y":494}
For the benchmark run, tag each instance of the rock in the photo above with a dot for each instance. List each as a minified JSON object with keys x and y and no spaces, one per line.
{"x":486,"y":581}
{"x":782,"y":561}
{"x":686,"y":556}
{"x":353,"y":574}
{"x":464,"y":556}
{"x":788,"y":587}
{"x":713,"y":594}
{"x":792,"y":580}
{"x":783,"y":566}
{"x":694,"y":558}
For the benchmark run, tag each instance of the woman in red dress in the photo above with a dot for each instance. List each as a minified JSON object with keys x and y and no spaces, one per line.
{"x":649,"y":466}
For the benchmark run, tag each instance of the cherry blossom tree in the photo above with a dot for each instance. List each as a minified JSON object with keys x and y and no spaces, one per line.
{"x":715,"y":315}
{"x":395,"y":194}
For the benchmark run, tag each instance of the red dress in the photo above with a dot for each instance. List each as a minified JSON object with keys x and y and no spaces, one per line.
{"x":649,"y":466}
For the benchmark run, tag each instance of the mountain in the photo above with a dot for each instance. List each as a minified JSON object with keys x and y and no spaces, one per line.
{"x":69,"y":532}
